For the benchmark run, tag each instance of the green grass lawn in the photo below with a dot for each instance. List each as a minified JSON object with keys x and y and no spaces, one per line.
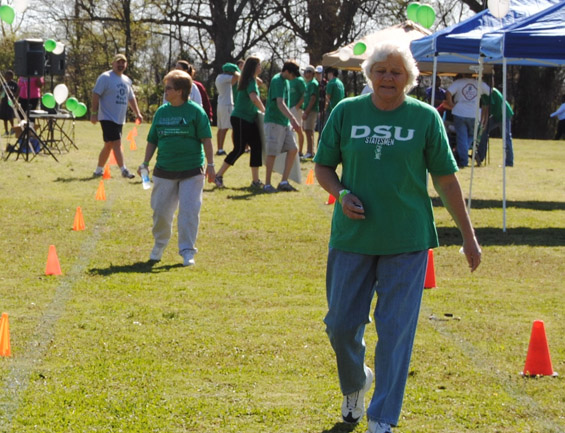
{"x":237,"y":343}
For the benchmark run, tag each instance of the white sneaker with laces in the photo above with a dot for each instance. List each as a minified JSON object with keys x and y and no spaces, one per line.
{"x":353,"y":406}
{"x":379,"y":427}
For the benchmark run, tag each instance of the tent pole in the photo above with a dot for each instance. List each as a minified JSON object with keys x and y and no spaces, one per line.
{"x":434,"y":71}
{"x":504,"y":85}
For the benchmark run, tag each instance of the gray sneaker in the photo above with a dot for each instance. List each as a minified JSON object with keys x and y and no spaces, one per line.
{"x":353,"y":407}
{"x":127,"y":174}
{"x":269,"y":188}
{"x":379,"y":427}
{"x":285,"y":186}
{"x":257,"y":184}
{"x":219,"y":181}
{"x":97,"y":173}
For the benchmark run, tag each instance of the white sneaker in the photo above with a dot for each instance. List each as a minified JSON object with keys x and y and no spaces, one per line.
{"x":188,"y":260}
{"x":156,"y":253}
{"x":379,"y":427}
{"x":353,"y":406}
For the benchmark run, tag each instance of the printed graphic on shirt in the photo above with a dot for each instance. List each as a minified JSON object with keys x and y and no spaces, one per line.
{"x":381,"y":135}
{"x":469,"y":92}
{"x":122,"y":94}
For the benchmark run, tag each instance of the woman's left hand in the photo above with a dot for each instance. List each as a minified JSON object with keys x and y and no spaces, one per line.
{"x":352,"y":207}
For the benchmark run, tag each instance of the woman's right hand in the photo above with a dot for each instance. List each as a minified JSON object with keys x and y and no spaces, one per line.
{"x":352,"y":207}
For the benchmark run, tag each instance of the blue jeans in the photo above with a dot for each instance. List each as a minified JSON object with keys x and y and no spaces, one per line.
{"x":492,"y":125}
{"x":351,"y":282}
{"x":464,"y":130}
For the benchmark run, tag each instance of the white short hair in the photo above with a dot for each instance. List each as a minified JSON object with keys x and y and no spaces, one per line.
{"x":384,"y":49}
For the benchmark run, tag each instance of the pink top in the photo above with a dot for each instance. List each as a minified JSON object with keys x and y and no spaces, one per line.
{"x":35,"y":84}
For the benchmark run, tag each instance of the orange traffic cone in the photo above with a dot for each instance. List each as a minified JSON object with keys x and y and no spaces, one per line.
{"x":101,"y":192}
{"x":78,"y":224}
{"x":310,"y":178}
{"x":53,"y":267}
{"x":538,"y":360}
{"x":5,"y":348}
{"x":430,"y":281}
{"x":112,"y":159}
{"x":107,"y":174}
{"x":331,"y":199}
{"x":137,"y":122}
{"x":132,"y":145}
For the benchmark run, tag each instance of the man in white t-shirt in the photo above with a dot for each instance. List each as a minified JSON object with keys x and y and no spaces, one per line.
{"x":224,"y":83}
{"x":111,"y":96}
{"x":461,"y":97}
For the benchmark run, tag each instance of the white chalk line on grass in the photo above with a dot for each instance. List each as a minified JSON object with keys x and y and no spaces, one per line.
{"x":487,"y":368}
{"x":18,"y":378}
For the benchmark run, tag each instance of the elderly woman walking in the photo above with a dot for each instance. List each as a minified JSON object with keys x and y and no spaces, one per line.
{"x":182,"y":136}
{"x":383,"y":227}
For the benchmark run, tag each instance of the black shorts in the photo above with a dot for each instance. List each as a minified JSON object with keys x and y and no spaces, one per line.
{"x":111,"y":131}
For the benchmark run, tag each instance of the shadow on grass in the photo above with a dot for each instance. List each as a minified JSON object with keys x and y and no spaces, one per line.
{"x":535,"y":237}
{"x":75,"y":179}
{"x":497,"y":204}
{"x":149,"y":266}
{"x":341,"y":427}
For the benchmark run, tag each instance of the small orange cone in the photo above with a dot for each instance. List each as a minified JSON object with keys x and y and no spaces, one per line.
{"x":430,"y":281}
{"x":137,"y":122}
{"x":101,"y":192}
{"x":78,"y":224}
{"x":538,"y":360}
{"x":310,"y":178}
{"x":107,"y":174}
{"x":53,"y":267}
{"x":132,"y":145}
{"x":5,"y":348}
{"x":331,"y":199}
{"x":112,"y":159}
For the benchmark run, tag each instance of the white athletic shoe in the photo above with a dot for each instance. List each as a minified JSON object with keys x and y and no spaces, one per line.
{"x":353,"y":406}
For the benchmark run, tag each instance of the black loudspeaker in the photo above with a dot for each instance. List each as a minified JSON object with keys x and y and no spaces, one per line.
{"x":55,"y":63}
{"x":30,"y":58}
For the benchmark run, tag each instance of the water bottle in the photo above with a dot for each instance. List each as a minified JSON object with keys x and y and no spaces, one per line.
{"x":145,"y":178}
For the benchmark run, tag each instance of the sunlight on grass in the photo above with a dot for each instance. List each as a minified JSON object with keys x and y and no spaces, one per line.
{"x":237,"y":343}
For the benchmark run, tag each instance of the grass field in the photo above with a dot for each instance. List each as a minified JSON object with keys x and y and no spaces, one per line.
{"x":237,"y":343}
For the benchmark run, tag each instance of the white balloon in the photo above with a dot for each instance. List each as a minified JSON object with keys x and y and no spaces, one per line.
{"x":59,"y":48}
{"x":499,"y":8}
{"x":20,"y":5}
{"x":345,"y":54}
{"x":60,"y":92}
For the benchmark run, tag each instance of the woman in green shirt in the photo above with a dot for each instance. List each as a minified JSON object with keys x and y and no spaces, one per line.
{"x":382,"y":228}
{"x":243,"y":116}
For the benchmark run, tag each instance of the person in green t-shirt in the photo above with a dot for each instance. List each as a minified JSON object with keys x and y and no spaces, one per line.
{"x":382,"y":228}
{"x":310,"y":107}
{"x":278,"y":121}
{"x":491,"y":119}
{"x":182,"y":136}
{"x":243,"y":121}
{"x":335,"y":91}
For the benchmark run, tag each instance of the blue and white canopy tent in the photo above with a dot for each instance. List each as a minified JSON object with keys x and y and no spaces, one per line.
{"x":460,"y":44}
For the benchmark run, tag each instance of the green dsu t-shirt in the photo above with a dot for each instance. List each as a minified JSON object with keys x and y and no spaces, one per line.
{"x":244,"y":107}
{"x":177,"y":132}
{"x":385,"y":155}
{"x":278,"y":88}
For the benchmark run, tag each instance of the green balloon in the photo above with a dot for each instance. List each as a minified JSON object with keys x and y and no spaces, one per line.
{"x":412,"y":11}
{"x":359,"y":48}
{"x":71,"y":103}
{"x":426,"y":15}
{"x":80,"y":110}
{"x":49,"y":45}
{"x":48,"y":100}
{"x":7,"y":14}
